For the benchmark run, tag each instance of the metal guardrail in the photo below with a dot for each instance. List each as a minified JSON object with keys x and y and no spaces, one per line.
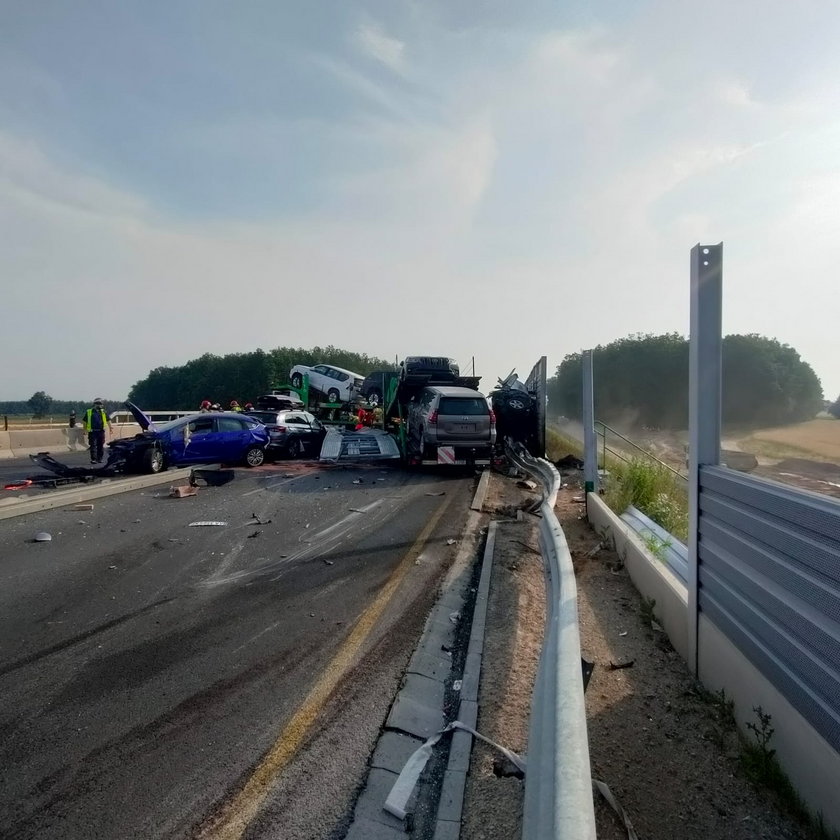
{"x":558,"y":781}
{"x":663,"y":545}
{"x":601,"y":430}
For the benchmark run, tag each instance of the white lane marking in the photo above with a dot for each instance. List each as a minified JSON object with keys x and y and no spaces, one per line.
{"x":349,"y":518}
{"x":273,"y":484}
{"x":256,"y":636}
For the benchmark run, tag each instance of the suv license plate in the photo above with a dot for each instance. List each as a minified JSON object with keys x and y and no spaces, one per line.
{"x":464,"y":427}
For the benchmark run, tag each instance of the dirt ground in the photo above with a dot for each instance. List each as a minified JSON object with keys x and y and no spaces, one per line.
{"x":669,"y":756}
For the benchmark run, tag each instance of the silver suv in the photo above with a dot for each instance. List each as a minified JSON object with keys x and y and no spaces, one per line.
{"x":445,"y":415}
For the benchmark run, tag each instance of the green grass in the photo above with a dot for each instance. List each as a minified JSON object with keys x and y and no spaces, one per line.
{"x":651,"y":488}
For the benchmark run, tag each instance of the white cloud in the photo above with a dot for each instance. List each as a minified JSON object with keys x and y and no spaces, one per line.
{"x":376,"y":44}
{"x":521,"y":194}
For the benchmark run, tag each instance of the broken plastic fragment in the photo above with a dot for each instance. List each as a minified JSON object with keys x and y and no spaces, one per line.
{"x":199,"y":524}
{"x":450,"y":542}
{"x":42,"y":536}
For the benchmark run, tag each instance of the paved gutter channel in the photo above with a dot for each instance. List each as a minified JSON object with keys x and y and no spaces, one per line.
{"x":427,"y":701}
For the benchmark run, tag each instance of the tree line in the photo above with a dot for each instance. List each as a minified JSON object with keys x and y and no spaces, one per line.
{"x":239,"y":376}
{"x":642,"y":380}
{"x":41,"y":404}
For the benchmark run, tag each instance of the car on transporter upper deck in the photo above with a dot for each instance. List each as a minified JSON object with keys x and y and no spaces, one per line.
{"x":335,"y":383}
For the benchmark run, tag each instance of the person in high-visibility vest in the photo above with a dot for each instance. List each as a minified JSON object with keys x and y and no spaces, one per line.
{"x":95,"y":423}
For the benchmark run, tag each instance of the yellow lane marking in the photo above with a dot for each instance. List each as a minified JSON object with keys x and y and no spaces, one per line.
{"x":238,"y":813}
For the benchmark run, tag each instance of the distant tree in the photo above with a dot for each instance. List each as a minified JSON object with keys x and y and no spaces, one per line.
{"x":642,"y":380}
{"x":40,"y":403}
{"x":238,"y":376}
{"x":834,"y":408}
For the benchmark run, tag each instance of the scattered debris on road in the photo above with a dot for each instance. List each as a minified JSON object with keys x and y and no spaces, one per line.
{"x":527,"y":484}
{"x":82,"y":507}
{"x":450,"y":542}
{"x":258,"y":521}
{"x":442,"y":493}
{"x":180,"y":491}
{"x":19,"y":485}
{"x":203,"y":524}
{"x":618,"y":667}
{"x":211,"y":478}
{"x":42,"y":536}
{"x":255,"y":534}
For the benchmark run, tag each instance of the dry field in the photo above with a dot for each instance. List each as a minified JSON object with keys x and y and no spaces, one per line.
{"x":816,"y":439}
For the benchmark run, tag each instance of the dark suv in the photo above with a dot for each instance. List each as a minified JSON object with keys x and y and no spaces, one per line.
{"x":436,"y":370}
{"x":375,"y":386}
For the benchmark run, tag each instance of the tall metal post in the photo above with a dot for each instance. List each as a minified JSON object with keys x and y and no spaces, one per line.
{"x":704,"y":405}
{"x":590,"y":441}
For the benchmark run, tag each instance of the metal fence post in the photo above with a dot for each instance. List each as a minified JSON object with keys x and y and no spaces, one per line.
{"x":590,"y":441}
{"x":704,"y":404}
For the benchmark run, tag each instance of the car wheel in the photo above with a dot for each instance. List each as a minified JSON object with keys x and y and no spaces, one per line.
{"x":374,"y":397}
{"x":297,"y":380}
{"x":153,"y":461}
{"x":333,"y":396}
{"x":254,"y":456}
{"x":518,"y":403}
{"x":293,"y":448}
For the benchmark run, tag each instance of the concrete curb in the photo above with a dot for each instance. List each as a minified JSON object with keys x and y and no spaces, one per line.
{"x":481,"y":491}
{"x":417,"y":712}
{"x":10,"y":508}
{"x":455,"y":778}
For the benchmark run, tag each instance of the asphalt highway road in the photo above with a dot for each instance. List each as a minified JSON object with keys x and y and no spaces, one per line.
{"x":159,"y":680}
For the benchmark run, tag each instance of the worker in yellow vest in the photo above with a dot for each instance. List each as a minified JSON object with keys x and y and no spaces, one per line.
{"x":95,"y":423}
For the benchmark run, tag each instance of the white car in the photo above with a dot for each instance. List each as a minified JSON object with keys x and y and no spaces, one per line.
{"x":337,"y":384}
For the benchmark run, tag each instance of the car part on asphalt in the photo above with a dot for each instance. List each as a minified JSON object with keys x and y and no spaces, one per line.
{"x":42,"y":536}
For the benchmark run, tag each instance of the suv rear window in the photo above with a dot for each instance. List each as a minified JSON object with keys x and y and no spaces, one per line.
{"x":463,"y":405}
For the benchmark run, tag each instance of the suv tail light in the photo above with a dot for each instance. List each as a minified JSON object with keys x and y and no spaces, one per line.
{"x":433,"y":418}
{"x":276,"y":428}
{"x":492,"y":417}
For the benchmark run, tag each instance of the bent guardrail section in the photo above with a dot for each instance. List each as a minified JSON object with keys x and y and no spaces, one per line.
{"x":558,"y":785}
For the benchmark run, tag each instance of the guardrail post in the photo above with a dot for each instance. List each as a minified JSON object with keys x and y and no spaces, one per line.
{"x":590,"y":441}
{"x":704,"y":404}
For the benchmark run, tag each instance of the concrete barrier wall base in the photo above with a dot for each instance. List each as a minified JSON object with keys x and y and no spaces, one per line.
{"x":650,"y":575}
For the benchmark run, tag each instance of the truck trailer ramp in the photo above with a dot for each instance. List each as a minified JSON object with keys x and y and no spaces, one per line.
{"x":361,"y":445}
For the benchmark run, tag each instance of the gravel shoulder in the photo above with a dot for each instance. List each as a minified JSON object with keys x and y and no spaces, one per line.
{"x":669,"y":756}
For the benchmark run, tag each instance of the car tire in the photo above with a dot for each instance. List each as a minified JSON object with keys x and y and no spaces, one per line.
{"x":255,"y":456}
{"x":333,"y":396}
{"x":374,"y":397}
{"x":516,"y":402}
{"x":297,"y":380}
{"x":293,"y":448}
{"x":153,"y":461}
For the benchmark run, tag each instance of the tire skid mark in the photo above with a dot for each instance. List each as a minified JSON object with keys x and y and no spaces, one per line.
{"x":80,"y":637}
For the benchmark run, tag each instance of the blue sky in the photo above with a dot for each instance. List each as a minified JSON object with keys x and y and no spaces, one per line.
{"x":473,"y":178}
